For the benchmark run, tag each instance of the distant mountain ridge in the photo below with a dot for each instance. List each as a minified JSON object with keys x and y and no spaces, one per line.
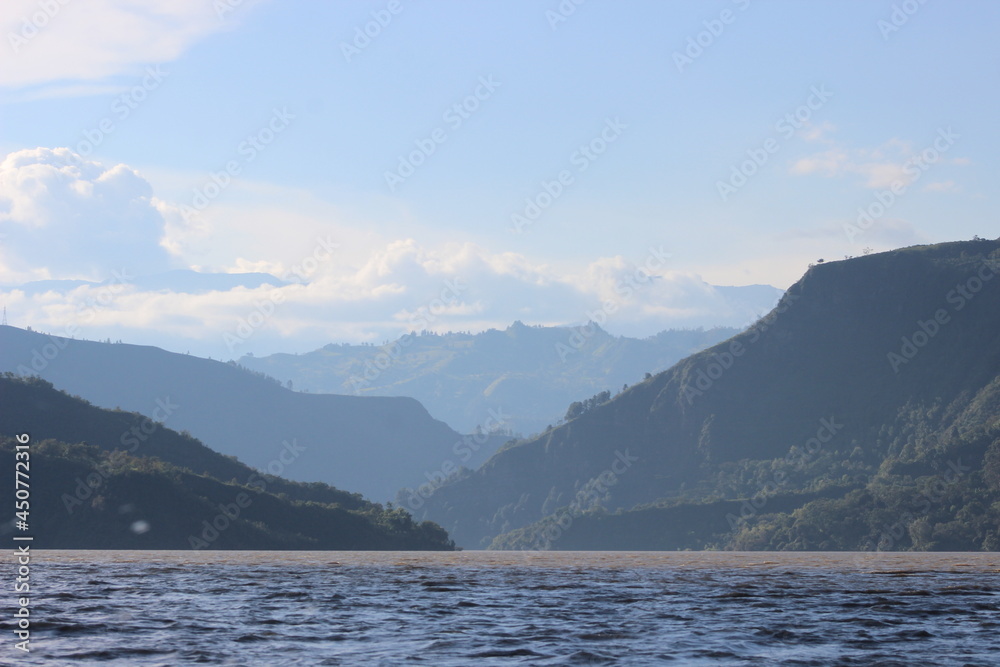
{"x":178,"y":280}
{"x":528,"y":374}
{"x":896,"y":355}
{"x":374,"y":445}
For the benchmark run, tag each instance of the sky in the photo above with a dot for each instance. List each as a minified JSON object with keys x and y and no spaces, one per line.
{"x":459,"y":165}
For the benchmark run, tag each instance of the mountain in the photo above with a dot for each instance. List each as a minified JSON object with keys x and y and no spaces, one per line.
{"x":179,"y":281}
{"x":374,"y":445}
{"x":527,"y":374}
{"x":141,"y":485}
{"x":876,"y":375}
{"x":195,"y":282}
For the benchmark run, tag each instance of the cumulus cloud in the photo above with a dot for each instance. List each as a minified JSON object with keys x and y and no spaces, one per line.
{"x":257,"y":224}
{"x":69,"y":42}
{"x":66,"y":217}
{"x":402,"y":287}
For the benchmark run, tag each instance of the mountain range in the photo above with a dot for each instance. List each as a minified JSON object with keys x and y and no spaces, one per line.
{"x":372,"y":445}
{"x":527,"y":374}
{"x":178,"y":280}
{"x":103,"y":479}
{"x":227,"y":315}
{"x":869,"y":397}
{"x":862,"y":413}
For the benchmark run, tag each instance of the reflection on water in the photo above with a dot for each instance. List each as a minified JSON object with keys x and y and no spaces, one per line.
{"x":513,"y":608}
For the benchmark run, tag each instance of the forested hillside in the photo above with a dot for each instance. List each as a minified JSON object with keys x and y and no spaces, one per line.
{"x":102,"y":479}
{"x":874,"y":376}
{"x":373,"y":445}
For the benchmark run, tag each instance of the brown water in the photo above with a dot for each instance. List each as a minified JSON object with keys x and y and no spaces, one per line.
{"x":511,"y":608}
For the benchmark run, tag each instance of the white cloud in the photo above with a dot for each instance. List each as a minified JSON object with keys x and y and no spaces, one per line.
{"x":404,"y":286}
{"x":878,"y":169}
{"x":817,"y":132}
{"x":883,"y":174}
{"x":830,"y":163}
{"x":254,"y":222}
{"x":894,"y":162}
{"x":93,"y":40}
{"x":64,"y":216}
{"x":941,"y":186}
{"x":242,"y":265}
{"x":67,"y":217}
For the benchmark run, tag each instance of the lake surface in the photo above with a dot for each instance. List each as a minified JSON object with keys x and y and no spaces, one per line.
{"x":511,"y":608}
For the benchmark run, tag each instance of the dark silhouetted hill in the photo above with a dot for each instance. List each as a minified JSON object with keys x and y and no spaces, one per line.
{"x":374,"y":445}
{"x":876,"y":375}
{"x":90,"y":488}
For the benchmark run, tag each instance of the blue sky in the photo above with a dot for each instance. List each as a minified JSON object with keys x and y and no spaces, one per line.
{"x":874,"y":85}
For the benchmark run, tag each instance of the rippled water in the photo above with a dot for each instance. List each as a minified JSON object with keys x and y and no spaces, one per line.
{"x":504,"y":608}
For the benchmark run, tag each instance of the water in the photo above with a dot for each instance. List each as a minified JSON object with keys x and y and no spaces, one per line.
{"x":508,"y":608}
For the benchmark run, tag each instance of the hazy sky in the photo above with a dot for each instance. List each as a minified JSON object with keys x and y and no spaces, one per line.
{"x":536,"y":152}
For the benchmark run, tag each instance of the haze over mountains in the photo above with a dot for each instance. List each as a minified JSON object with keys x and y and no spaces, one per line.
{"x":298,"y":308}
{"x":863,"y":412}
{"x":874,"y":384}
{"x":183,"y":281}
{"x":523,"y":376}
{"x":102,"y":479}
{"x":371,"y":445}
